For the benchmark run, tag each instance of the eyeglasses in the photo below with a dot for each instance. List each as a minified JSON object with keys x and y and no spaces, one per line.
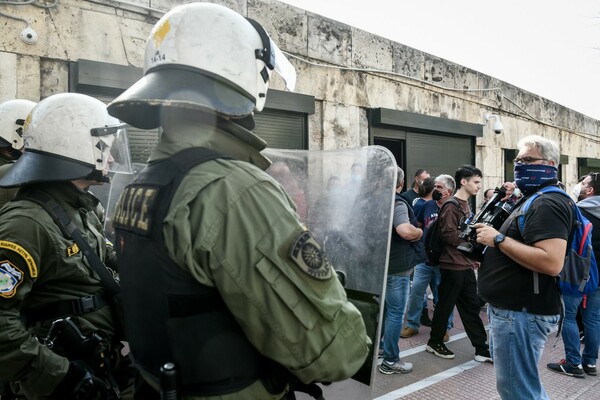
{"x":528,"y":160}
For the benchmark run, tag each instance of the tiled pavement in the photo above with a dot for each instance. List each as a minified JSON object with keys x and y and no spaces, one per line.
{"x":462,"y":378}
{"x":465,"y":379}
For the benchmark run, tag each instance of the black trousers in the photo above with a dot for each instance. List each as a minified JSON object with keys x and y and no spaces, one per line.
{"x":459,"y":288}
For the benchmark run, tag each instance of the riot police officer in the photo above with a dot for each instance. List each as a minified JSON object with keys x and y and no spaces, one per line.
{"x":219,"y":276}
{"x":12,"y":117}
{"x":58,"y":325}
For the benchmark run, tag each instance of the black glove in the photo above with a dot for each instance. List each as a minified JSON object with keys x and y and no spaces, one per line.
{"x":78,"y":384}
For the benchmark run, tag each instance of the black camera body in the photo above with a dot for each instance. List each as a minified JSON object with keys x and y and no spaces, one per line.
{"x":493,"y":213}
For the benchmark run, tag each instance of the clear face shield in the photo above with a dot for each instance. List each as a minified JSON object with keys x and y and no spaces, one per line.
{"x":111,"y":149}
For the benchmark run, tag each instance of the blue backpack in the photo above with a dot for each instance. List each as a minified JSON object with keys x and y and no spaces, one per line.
{"x":579,"y":275}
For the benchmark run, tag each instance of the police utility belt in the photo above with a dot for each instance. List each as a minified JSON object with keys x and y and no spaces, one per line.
{"x":82,"y":305}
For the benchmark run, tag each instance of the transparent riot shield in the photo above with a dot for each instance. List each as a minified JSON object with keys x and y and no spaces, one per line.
{"x":109,"y":193}
{"x":346,"y":199}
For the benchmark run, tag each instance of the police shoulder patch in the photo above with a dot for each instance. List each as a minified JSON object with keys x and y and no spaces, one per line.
{"x":10,"y":278}
{"x":33,"y":270}
{"x":307,"y":253}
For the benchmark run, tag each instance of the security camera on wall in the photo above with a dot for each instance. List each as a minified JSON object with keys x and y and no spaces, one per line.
{"x":497,"y":127}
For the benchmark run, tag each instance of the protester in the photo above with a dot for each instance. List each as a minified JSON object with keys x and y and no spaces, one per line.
{"x":413,"y":193}
{"x":506,"y":276}
{"x":427,"y":273}
{"x":576,"y":363}
{"x":459,"y":285}
{"x":406,"y":251}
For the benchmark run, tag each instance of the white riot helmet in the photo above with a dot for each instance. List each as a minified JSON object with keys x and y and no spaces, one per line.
{"x":70,"y":136}
{"x":12,"y":117}
{"x":207,"y":57}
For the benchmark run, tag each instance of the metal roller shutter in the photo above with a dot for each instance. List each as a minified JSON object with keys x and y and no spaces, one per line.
{"x":438,"y":154}
{"x":282,"y":129}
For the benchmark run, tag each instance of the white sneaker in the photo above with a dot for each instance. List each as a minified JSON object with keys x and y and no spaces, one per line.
{"x":484,"y":356}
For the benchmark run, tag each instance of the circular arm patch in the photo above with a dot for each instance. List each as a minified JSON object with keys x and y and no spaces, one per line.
{"x":307,"y":253}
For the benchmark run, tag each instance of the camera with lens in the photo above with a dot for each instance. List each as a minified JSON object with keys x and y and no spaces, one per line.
{"x":493,"y":213}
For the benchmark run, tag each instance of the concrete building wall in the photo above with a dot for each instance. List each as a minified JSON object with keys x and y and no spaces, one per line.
{"x":347,"y":70}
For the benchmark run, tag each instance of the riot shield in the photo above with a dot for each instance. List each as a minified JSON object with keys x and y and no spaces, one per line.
{"x":346,"y":198}
{"x":109,"y":193}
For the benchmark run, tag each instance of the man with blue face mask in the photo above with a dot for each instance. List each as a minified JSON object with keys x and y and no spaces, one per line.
{"x":512,"y":259}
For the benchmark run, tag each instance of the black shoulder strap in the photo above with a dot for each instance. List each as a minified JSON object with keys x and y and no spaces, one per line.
{"x":69,"y":229}
{"x":451,"y":200}
{"x":411,"y":212}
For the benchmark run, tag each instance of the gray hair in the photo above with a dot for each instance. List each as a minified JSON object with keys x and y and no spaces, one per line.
{"x":547,"y":148}
{"x":400,"y":177}
{"x":447,"y":181}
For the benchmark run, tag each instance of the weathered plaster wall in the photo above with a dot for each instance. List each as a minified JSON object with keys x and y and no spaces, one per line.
{"x":346,"y":69}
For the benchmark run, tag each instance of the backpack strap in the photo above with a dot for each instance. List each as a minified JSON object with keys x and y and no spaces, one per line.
{"x":521,"y":223}
{"x":451,"y":200}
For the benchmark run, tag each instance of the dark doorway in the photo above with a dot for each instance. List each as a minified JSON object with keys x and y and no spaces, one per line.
{"x":397,"y":148}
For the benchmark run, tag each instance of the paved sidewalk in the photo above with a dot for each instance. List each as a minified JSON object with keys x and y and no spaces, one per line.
{"x":461,"y":378}
{"x":465,"y":379}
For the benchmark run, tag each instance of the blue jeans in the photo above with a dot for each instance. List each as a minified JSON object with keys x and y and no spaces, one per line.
{"x":517,"y":340}
{"x":396,"y":296}
{"x":591,"y":323}
{"x":423,"y":276}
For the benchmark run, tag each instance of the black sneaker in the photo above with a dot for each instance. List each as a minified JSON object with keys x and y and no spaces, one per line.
{"x":425,"y":320}
{"x":590,"y":369}
{"x":563,"y":367}
{"x":483,"y":356}
{"x":440,"y":350}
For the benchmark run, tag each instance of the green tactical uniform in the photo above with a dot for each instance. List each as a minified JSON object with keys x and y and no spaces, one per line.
{"x":6,"y":194}
{"x":234,"y":228}
{"x":39,"y":266}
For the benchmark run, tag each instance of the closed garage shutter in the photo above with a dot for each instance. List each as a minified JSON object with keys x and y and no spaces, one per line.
{"x":282,"y":129}
{"x":438,"y":154}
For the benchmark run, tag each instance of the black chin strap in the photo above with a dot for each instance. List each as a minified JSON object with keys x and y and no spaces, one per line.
{"x":10,"y":154}
{"x":98,"y":176}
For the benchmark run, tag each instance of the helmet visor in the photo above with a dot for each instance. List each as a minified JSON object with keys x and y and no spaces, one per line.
{"x":111,"y":149}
